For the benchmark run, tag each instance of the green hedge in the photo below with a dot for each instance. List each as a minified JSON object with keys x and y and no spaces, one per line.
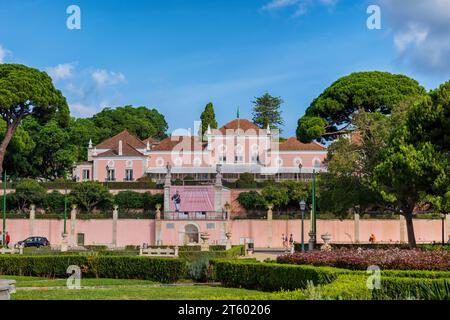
{"x":164,"y":270}
{"x":393,"y":288}
{"x":271,"y":276}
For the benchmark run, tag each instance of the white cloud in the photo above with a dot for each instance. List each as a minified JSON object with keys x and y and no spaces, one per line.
{"x":104,"y":77}
{"x":83,"y":110}
{"x":421,"y":32}
{"x":301,"y":6}
{"x":61,"y":71}
{"x":3,"y":53}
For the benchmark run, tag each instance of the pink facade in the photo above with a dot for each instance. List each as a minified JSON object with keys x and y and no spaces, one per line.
{"x":239,"y":146}
{"x":262,"y":232}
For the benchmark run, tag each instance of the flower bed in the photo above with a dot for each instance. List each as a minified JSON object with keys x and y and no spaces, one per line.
{"x":396,"y":259}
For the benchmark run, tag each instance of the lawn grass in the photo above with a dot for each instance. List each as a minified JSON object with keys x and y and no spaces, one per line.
{"x":140,"y":293}
{"x":22,"y":282}
{"x":120,"y":289}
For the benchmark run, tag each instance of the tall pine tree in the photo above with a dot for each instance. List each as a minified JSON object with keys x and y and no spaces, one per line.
{"x":208,"y":117}
{"x":266,"y":112}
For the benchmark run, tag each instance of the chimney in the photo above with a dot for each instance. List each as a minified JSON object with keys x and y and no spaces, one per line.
{"x":120,"y":148}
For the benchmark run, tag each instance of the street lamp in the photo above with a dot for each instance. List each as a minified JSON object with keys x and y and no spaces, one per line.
{"x":443,"y":228}
{"x":302,"y":209}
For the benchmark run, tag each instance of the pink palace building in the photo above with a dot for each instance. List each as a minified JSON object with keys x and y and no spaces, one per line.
{"x":238,"y":147}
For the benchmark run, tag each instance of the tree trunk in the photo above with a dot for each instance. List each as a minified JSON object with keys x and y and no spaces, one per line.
{"x":410,"y":229}
{"x":11,"y":129}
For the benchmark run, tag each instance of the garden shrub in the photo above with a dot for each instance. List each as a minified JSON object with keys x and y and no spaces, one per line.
{"x":393,"y":288}
{"x":271,"y":276}
{"x":129,"y":200}
{"x":396,"y":259}
{"x":166,"y":270}
{"x":246,"y":181}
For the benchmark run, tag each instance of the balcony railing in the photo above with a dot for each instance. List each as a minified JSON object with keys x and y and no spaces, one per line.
{"x":210,"y":215}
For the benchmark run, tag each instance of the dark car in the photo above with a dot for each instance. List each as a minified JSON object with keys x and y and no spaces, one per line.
{"x":34,"y":242}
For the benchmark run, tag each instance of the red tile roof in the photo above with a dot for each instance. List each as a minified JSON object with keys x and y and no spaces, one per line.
{"x":126,"y":137}
{"x":186,"y":143}
{"x":242,"y":124}
{"x":292,"y":144}
{"x":151,"y":140}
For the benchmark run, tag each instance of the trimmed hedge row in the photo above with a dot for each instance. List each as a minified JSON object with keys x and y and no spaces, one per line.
{"x":166,"y":270}
{"x":271,"y":276}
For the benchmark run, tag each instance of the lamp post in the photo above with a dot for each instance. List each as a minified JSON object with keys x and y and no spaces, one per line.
{"x":300,"y":167}
{"x":302,"y":209}
{"x":443,"y":228}
{"x":312,"y":234}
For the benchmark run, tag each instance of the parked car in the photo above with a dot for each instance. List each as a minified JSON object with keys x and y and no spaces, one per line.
{"x":35,"y":242}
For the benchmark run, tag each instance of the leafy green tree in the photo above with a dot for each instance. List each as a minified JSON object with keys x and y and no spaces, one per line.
{"x":28,"y":192}
{"x":275,"y":195}
{"x":90,"y":194}
{"x":20,"y":151}
{"x":369,"y":91}
{"x":246,"y":181}
{"x":297,"y":191}
{"x":266,"y":112}
{"x":27,"y":92}
{"x":408,"y":173}
{"x":208,"y":118}
{"x":54,"y":202}
{"x":140,"y":121}
{"x":251,"y":200}
{"x":129,"y":200}
{"x":54,"y":154}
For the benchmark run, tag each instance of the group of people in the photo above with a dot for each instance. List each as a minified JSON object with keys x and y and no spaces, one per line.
{"x":287,"y":243}
{"x":7,"y":238}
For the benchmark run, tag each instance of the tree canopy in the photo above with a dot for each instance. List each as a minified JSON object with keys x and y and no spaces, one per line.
{"x":26,"y":91}
{"x":208,"y":118}
{"x":331,"y":113}
{"x":266,"y":112}
{"x":140,"y":121}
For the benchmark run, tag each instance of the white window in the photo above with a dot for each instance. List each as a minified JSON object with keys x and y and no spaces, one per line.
{"x":111,"y":175}
{"x":255,"y":158}
{"x":129,"y":175}
{"x":86,"y":175}
{"x":222,"y":158}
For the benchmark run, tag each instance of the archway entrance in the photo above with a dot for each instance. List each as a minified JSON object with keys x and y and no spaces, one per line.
{"x":191,"y":234}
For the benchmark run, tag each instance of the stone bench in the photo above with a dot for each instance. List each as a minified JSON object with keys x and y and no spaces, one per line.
{"x":11,"y":251}
{"x":7,"y":287}
{"x":159,"y":252}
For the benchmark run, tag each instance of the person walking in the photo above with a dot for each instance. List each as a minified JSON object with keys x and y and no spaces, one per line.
{"x":7,"y":238}
{"x":291,"y":240}
{"x":283,"y":238}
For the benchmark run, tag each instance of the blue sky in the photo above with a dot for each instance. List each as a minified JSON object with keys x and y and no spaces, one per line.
{"x":177,"y":55}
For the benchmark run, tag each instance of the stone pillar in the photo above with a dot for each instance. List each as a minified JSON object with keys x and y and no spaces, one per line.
{"x":447,"y":226}
{"x":218,"y":190}
{"x":114,"y":226}
{"x":167,"y":185}
{"x":158,"y":224}
{"x":356,"y":222}
{"x":73,"y":224}
{"x":269,"y":226}
{"x":226,"y":226}
{"x":402,"y":222}
{"x":31,"y":221}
